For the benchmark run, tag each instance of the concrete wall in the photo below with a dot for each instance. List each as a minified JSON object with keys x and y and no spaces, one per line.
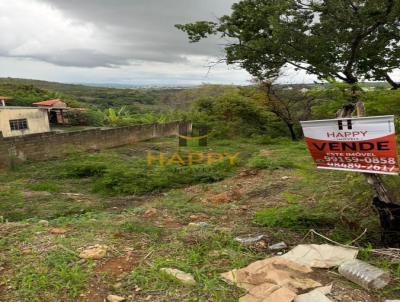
{"x":38,"y":121}
{"x":50,"y":145}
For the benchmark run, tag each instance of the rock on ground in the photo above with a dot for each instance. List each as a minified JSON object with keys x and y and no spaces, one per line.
{"x":114,"y":298}
{"x":150,"y":212}
{"x":57,"y":231}
{"x":185,"y":278}
{"x":43,"y":223}
{"x":97,"y":251}
{"x":35,"y":194}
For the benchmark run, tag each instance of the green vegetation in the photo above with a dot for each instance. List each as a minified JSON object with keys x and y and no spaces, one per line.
{"x":153,"y":207}
{"x":296,"y":216}
{"x":114,"y":176}
{"x":26,"y":94}
{"x":227,"y":111}
{"x":140,"y":100}
{"x":349,"y":42}
{"x":137,"y":226}
{"x":105,"y":197}
{"x":57,"y":276}
{"x":196,"y":259}
{"x":237,"y":112}
{"x":263,"y":162}
{"x":287,"y":197}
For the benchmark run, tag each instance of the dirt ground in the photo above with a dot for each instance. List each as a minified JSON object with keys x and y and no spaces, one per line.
{"x":248,"y":192}
{"x":227,"y":207}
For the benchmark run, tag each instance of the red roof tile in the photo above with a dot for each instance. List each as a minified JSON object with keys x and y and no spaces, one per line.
{"x":48,"y":102}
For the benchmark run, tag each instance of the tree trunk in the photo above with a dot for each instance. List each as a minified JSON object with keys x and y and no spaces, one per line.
{"x":392,"y":83}
{"x":384,"y":201}
{"x":292,"y":132}
{"x":373,"y":179}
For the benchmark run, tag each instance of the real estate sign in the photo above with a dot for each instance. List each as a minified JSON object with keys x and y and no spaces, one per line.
{"x":364,"y":144}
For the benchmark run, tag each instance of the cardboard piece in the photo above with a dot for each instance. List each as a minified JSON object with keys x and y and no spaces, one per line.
{"x":320,"y":256}
{"x":273,"y":279}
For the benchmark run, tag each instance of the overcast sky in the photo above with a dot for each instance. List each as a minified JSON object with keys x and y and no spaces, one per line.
{"x":114,"y":41}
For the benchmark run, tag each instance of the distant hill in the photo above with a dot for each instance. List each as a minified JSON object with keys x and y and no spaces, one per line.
{"x":140,"y":100}
{"x":27,"y":91}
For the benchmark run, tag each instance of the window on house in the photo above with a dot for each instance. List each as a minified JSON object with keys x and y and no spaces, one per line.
{"x":19,"y":124}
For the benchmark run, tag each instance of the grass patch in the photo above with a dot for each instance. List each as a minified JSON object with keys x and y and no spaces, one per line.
{"x":268,"y":163}
{"x":140,"y":179}
{"x":48,"y":186}
{"x":196,"y":259}
{"x":142,"y":227}
{"x":181,"y":206}
{"x":85,"y":169}
{"x":296,"y":216}
{"x":310,"y":199}
{"x":16,"y":208}
{"x":121,"y":171}
{"x":55,"y":277}
{"x":291,"y":197}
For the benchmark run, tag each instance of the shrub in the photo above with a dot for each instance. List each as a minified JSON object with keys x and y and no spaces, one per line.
{"x":141,"y":179}
{"x":296,"y":216}
{"x":86,"y":169}
{"x":48,"y":186}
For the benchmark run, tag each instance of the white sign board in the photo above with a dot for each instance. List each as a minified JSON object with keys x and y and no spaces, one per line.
{"x":364,"y":144}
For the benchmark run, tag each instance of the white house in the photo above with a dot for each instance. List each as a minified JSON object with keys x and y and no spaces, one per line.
{"x":15,"y":121}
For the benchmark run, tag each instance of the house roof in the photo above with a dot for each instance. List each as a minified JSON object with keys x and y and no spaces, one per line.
{"x":4,"y":98}
{"x":48,"y":102}
{"x":20,"y":107}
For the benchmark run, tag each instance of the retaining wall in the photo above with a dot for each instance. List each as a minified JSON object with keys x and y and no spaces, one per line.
{"x":48,"y":145}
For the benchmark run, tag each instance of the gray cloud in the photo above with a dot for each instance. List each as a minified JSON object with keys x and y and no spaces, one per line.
{"x":113,"y":41}
{"x":139,"y":30}
{"x":80,"y":58}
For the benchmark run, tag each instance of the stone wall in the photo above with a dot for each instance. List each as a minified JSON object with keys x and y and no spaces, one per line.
{"x":51,"y":145}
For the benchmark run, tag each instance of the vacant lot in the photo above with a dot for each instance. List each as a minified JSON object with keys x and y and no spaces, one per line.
{"x":51,"y":211}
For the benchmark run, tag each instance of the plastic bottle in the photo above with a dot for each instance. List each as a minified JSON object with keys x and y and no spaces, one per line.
{"x":364,"y":274}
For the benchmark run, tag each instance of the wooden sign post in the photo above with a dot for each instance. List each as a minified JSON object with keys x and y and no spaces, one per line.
{"x":361,"y":144}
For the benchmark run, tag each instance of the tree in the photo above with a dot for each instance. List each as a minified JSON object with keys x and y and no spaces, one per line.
{"x":336,"y":40}
{"x":238,"y":112}
{"x":115,"y":117}
{"x":346,"y":40}
{"x":289,"y":105}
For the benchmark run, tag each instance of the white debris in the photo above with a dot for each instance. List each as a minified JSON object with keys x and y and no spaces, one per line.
{"x":364,"y":274}
{"x":199,"y":225}
{"x":278,"y":246}
{"x":249,"y":239}
{"x":316,"y":295}
{"x":321,"y":256}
